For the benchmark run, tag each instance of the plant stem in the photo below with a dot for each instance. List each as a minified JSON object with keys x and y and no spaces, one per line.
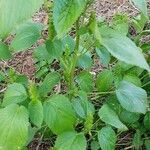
{"x":75,"y":57}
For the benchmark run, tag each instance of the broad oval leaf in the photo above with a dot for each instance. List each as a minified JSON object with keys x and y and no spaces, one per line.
{"x":71,"y":141}
{"x":49,"y":82}
{"x":13,"y":127}
{"x":104,"y":80}
{"x":4,"y":51}
{"x":132,"y":98}
{"x":59,"y":114}
{"x":107,"y":138}
{"x":15,"y":93}
{"x":26,"y":36}
{"x":85,"y":81}
{"x":110,"y":117}
{"x":13,"y":13}
{"x":66,"y":12}
{"x":123,"y":48}
{"x":36,"y":112}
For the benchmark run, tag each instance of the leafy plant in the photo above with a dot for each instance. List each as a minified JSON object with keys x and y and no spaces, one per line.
{"x":81,"y":108}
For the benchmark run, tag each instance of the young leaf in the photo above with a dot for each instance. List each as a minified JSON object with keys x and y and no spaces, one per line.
{"x":71,"y":141}
{"x":147,"y":121}
{"x":13,"y":13}
{"x":41,"y":54}
{"x":65,"y":14}
{"x":128,"y":117}
{"x":55,"y":48}
{"x":123,"y":48}
{"x":142,"y":5}
{"x":109,"y":116}
{"x":4,"y":52}
{"x":85,"y":61}
{"x":132,"y":98}
{"x":13,"y":127}
{"x":59,"y":114}
{"x":49,"y":82}
{"x":36,"y":112}
{"x":107,"y":138}
{"x":15,"y":93}
{"x":26,"y":37}
{"x":85,"y":81}
{"x":137,"y":141}
{"x":103,"y":55}
{"x":104,"y":80}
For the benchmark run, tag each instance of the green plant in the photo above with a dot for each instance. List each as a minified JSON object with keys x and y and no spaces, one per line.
{"x":82,"y":109}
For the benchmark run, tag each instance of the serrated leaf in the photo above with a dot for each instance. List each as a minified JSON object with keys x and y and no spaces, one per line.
{"x":49,"y":82}
{"x":71,"y":141}
{"x":66,"y":12}
{"x":123,"y":48}
{"x":36,"y":112}
{"x":26,"y":37}
{"x":85,"y":81}
{"x":13,"y":127}
{"x":104,"y":80}
{"x":107,"y":138}
{"x":110,"y":117}
{"x":4,"y":51}
{"x":59,"y":114}
{"x":132,"y":98}
{"x":15,"y":93}
{"x":13,"y":13}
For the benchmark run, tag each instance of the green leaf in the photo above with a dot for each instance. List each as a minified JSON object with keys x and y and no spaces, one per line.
{"x":4,"y":51}
{"x":121,"y":23}
{"x":123,"y":48}
{"x":85,"y":61}
{"x":71,"y":141}
{"x":104,"y":80}
{"x":13,"y":127}
{"x":82,"y":106}
{"x":137,"y":141}
{"x":107,"y":138}
{"x":147,"y":121}
{"x":147,"y":144}
{"x":103,"y":55}
{"x":55,"y":48}
{"x":142,"y":5}
{"x":109,"y":116}
{"x":49,"y":82}
{"x":65,"y":14}
{"x":59,"y":114}
{"x":85,"y":81}
{"x":36,"y":112}
{"x":14,"y":13}
{"x":128,"y":117}
{"x":95,"y":145}
{"x":26,"y":37}
{"x":15,"y":93}
{"x":132,"y":98}
{"x":133,"y":79}
{"x":41,"y":54}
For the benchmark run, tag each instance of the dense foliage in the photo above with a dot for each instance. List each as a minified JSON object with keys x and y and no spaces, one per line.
{"x":69,"y":102}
